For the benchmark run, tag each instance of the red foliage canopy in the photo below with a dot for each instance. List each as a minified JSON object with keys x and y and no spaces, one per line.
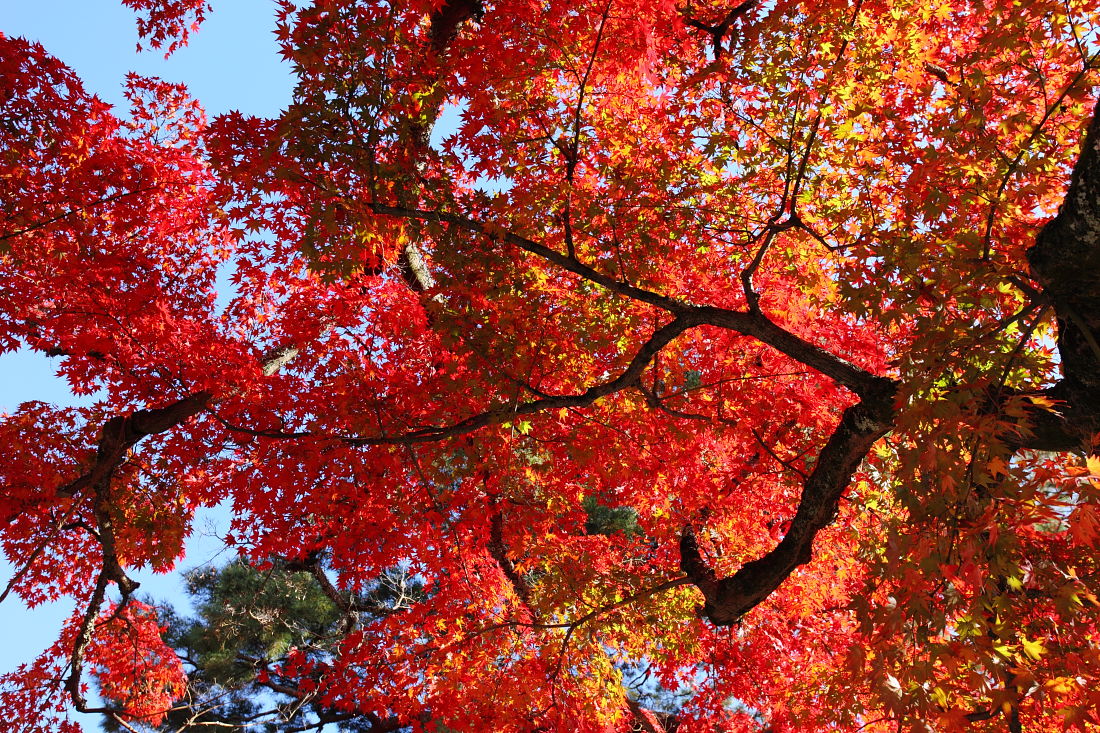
{"x":798,"y":287}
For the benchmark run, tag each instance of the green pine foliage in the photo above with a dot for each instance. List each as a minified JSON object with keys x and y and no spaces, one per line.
{"x":246,"y":620}
{"x":607,"y":520}
{"x":248,"y":617}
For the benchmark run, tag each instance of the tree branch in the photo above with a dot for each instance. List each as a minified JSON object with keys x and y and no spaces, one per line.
{"x":718,"y":31}
{"x":754,"y":323}
{"x":628,"y":377}
{"x":728,"y":599}
{"x":1065,"y":259}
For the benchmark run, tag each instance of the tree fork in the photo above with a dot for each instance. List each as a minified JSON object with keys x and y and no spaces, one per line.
{"x":1064,"y":259}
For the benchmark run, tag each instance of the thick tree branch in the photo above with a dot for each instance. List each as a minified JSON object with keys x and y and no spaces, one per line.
{"x":759,"y":326}
{"x":1065,"y":260}
{"x":563,"y":261}
{"x":121,"y":433}
{"x":498,"y":549}
{"x":446,"y":22}
{"x":728,"y":599}
{"x":719,"y":30}
{"x":754,"y":323}
{"x":627,"y":378}
{"x":443,"y":28}
{"x":118,"y":435}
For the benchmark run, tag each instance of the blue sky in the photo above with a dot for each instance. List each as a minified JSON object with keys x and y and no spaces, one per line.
{"x":232,"y":63}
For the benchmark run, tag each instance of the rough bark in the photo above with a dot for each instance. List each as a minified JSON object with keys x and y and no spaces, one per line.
{"x":1065,"y":259}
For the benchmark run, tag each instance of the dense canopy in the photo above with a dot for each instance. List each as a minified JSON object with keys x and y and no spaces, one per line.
{"x":725,"y":367}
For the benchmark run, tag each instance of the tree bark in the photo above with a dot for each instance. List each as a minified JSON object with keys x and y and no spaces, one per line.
{"x":1065,"y":259}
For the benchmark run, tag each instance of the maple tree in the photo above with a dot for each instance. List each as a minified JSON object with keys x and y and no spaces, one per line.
{"x":748,"y":350}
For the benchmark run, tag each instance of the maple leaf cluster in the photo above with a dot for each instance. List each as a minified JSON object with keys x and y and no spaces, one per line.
{"x":725,"y":367}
